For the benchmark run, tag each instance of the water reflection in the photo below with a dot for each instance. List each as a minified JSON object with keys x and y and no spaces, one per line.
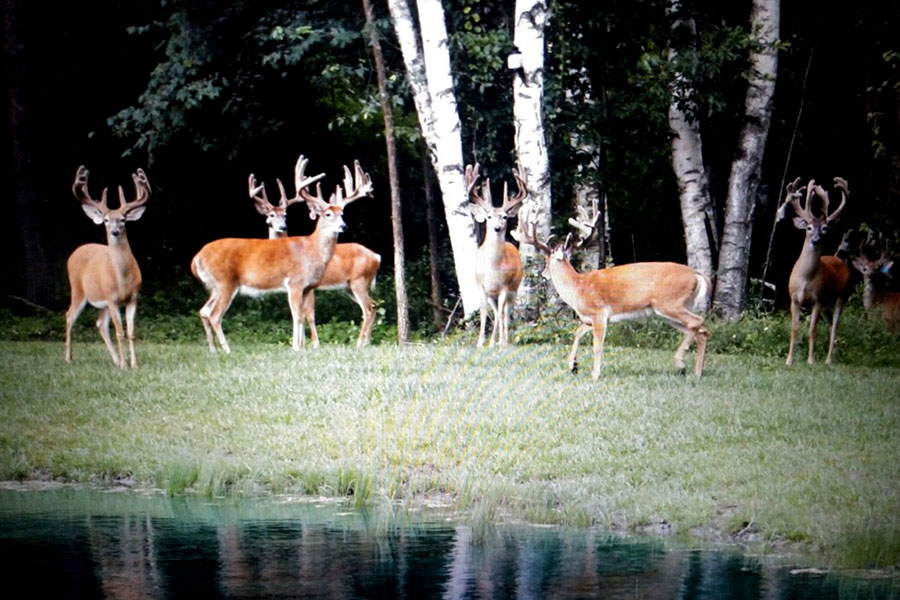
{"x":78,"y":543}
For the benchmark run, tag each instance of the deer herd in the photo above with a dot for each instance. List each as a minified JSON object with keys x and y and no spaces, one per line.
{"x":107,"y":276}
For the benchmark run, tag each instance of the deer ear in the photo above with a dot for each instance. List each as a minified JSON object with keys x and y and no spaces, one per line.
{"x":135,"y":213}
{"x":477,"y":213}
{"x":858,"y":263}
{"x":800,"y":223}
{"x":93,"y":213}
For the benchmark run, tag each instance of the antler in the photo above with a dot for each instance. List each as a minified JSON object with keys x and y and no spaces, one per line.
{"x":80,"y":190}
{"x":525,"y":231}
{"x":301,"y":182}
{"x":512,"y":204}
{"x":841,"y":184}
{"x":257,"y":191}
{"x":585,"y":224}
{"x":472,"y":190}
{"x":356,"y":186}
{"x":795,"y":196}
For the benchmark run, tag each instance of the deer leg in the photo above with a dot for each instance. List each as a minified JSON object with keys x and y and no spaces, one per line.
{"x":691,"y":325}
{"x":297,"y":299}
{"x":205,"y":311}
{"x":503,"y":317}
{"x":497,"y":316}
{"x":583,"y":328}
{"x":361,"y":296}
{"x":217,"y":314}
{"x":795,"y":325}
{"x":813,"y":322}
{"x":835,"y":317}
{"x":120,"y":334}
{"x":483,"y":317}
{"x":75,"y":309}
{"x":103,"y":327}
{"x":599,"y":328}
{"x":130,"y":310}
{"x":309,"y":311}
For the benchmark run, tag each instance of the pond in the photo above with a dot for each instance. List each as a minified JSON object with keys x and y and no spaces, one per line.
{"x":82,"y":543}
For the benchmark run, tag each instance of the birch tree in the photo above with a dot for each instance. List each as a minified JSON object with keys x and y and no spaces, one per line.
{"x":531,"y":147}
{"x":427,"y":60}
{"x":734,"y":257}
{"x":687,"y":157}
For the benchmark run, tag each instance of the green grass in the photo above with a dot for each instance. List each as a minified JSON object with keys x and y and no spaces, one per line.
{"x":805,"y":456}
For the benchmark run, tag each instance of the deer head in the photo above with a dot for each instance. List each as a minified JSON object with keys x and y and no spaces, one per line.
{"x":113,"y":219}
{"x":817,"y":226}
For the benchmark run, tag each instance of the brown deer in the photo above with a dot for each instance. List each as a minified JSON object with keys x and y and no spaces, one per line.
{"x":675,"y":292}
{"x":107,"y":276}
{"x":352,"y":266}
{"x":817,"y":281}
{"x":295,"y":264}
{"x":498,"y":268}
{"x":877,"y":298}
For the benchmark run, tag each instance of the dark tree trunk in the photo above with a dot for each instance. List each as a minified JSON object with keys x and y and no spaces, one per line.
{"x":28,"y":273}
{"x":399,"y":256}
{"x":437,"y":314}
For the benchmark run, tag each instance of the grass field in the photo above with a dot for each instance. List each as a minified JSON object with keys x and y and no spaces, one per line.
{"x":801,"y":458}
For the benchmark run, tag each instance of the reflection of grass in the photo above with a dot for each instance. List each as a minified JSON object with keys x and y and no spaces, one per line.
{"x":802,"y":453}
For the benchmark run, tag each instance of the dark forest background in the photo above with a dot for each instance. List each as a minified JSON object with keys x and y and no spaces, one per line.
{"x":256,"y":102}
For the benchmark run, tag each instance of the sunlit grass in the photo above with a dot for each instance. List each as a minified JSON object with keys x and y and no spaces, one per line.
{"x":802,"y":455}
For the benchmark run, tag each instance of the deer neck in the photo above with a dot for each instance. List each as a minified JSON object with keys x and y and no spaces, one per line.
{"x":872,"y":294}
{"x":493,"y":244}
{"x":122,"y":259}
{"x":808,"y":262}
{"x":323,"y":244}
{"x":566,"y":280}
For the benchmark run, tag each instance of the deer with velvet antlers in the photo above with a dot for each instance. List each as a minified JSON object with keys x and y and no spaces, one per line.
{"x":498,"y":267}
{"x":673,"y":291}
{"x":292,"y":264}
{"x":878,"y":299}
{"x":352,"y":267}
{"x":107,"y":276}
{"x":820,"y":282}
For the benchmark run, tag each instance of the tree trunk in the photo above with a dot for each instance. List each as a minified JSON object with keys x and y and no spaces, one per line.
{"x":27,"y":270}
{"x":431,"y":81}
{"x":396,"y":206}
{"x":734,"y":257}
{"x":687,"y":162}
{"x":433,"y":250}
{"x":531,"y":147}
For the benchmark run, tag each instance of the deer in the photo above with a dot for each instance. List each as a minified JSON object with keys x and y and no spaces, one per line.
{"x":352,"y":267}
{"x":877,"y":298}
{"x":107,"y":276}
{"x":498,"y":267}
{"x":294,"y":264}
{"x":675,"y":292}
{"x":821,"y":282}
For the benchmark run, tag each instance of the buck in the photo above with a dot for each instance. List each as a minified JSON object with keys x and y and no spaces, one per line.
{"x":673,"y":291}
{"x":820,"y":282}
{"x":293,"y":264}
{"x":107,"y":276}
{"x":498,"y":268}
{"x":877,"y":298}
{"x":352,"y":267}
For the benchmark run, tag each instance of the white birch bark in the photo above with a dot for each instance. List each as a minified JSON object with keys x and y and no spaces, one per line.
{"x":531,"y":147}
{"x":734,"y":257}
{"x":428,"y":70}
{"x":690,"y":171}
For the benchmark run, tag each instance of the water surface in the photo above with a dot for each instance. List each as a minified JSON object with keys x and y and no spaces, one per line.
{"x":78,"y":543}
